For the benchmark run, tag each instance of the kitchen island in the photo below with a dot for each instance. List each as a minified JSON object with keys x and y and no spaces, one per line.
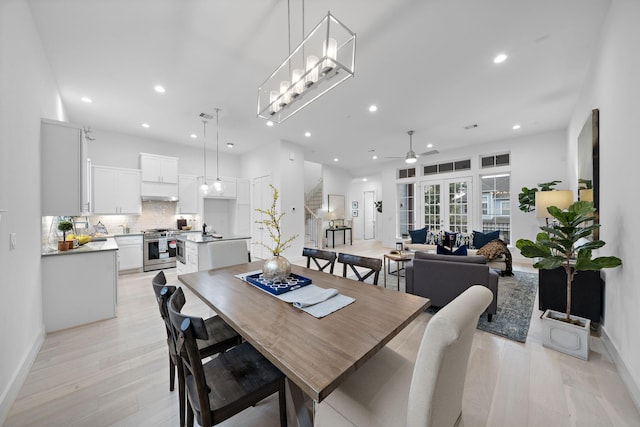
{"x":79,"y":285}
{"x":193,"y":251}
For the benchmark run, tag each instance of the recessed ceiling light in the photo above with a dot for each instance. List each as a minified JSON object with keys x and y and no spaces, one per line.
{"x":373,"y":108}
{"x":230,"y":144}
{"x":193,"y":135}
{"x":515,"y":127}
{"x":159,"y":89}
{"x":364,"y":179}
{"x":145,"y":125}
{"x":86,"y":99}
{"x":335,"y":159}
{"x":500,"y":58}
{"x":269,"y":123}
{"x":307,"y":134}
{"x":429,"y":145}
{"x":374,"y":157}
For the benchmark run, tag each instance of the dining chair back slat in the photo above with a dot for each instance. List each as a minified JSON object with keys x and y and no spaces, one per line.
{"x":374,"y":265}
{"x":319,"y":254}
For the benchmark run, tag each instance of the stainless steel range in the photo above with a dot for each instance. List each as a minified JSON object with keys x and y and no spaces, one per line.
{"x":159,"y":248}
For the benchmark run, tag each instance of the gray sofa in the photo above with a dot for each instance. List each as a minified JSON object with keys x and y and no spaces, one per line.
{"x":441,"y":278}
{"x":499,"y":263}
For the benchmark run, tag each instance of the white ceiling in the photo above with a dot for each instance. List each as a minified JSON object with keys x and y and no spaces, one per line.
{"x":427,"y":64}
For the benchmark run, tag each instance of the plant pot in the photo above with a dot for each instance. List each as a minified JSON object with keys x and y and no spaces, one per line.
{"x":276,"y":268}
{"x":62,"y":245}
{"x":566,"y":337}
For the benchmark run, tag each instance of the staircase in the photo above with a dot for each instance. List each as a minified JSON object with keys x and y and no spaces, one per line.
{"x":312,"y":222}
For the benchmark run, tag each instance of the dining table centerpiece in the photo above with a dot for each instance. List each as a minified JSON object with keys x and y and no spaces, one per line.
{"x":276,"y":268}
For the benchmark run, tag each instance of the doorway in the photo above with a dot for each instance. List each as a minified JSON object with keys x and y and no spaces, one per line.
{"x":446,"y":204}
{"x":369,"y":215}
{"x":261,"y":200}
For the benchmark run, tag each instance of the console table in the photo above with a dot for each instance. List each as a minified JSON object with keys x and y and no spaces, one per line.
{"x":333,"y":235}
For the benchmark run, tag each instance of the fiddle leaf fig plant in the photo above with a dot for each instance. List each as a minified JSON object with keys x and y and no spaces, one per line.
{"x":562,"y":244}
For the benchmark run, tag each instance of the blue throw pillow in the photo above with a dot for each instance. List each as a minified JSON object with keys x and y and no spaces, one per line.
{"x":418,"y":236}
{"x":461,"y":251}
{"x":480,"y":239}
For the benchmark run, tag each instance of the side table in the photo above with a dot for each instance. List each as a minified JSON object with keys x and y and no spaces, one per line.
{"x":400,"y":259}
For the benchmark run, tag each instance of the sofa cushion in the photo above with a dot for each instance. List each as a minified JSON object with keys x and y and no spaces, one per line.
{"x":480,"y":239}
{"x":461,"y":251}
{"x":434,"y":238}
{"x":418,"y":236}
{"x":472,"y":259}
{"x":464,"y":239}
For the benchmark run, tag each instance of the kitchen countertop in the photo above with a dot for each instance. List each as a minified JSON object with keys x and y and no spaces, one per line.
{"x":107,"y":245}
{"x":199,"y":238}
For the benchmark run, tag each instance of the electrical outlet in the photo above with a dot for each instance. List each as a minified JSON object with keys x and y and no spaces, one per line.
{"x":12,"y":241}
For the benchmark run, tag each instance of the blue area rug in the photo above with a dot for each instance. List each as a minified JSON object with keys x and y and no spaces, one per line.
{"x":516,"y":295}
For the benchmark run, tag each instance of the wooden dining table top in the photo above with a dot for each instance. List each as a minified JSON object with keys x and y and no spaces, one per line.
{"x":317,"y":354}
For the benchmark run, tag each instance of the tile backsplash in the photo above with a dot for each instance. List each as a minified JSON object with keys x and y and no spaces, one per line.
{"x":155,"y":214}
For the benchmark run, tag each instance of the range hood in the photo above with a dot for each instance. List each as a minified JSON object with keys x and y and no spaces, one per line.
{"x":159,"y":198}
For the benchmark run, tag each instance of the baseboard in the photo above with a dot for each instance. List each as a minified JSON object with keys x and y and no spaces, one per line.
{"x":10,"y":393}
{"x":634,"y":391}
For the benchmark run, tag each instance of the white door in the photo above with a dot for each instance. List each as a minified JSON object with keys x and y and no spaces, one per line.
{"x":262,"y":200}
{"x":446,"y":204}
{"x":369,"y":213}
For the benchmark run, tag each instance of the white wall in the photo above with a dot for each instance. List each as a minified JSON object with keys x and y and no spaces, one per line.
{"x":357,"y":187}
{"x":613,"y":88}
{"x":28,"y":92}
{"x":121,"y":150}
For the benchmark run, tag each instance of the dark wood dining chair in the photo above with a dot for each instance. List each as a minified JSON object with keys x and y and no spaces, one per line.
{"x":373,"y":265}
{"x":319,"y":254}
{"x":221,"y":336}
{"x":227,"y":384}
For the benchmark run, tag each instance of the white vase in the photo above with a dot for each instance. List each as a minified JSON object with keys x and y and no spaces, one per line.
{"x":566,"y":337}
{"x":276,"y":268}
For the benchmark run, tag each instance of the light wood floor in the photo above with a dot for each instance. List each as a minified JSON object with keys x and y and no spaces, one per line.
{"x":115,"y":373}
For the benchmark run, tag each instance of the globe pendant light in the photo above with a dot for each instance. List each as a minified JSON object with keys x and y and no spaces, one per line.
{"x":204,"y":188}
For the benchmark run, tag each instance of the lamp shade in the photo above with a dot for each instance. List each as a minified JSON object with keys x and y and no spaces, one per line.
{"x":586,"y":195}
{"x":561,"y":199}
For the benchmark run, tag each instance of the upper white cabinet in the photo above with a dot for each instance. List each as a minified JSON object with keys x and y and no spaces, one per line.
{"x":159,"y":177}
{"x":65,"y":169}
{"x":187,"y":194}
{"x":156,"y":168}
{"x":116,"y":191}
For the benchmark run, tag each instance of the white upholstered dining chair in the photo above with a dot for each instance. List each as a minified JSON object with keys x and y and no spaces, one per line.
{"x":391,"y":390}
{"x":227,"y":252}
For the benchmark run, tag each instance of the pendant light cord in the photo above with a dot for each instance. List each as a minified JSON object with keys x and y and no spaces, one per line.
{"x":217,"y":146}
{"x":204,"y":149}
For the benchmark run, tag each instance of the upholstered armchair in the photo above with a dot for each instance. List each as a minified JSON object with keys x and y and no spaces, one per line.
{"x":441,"y":278}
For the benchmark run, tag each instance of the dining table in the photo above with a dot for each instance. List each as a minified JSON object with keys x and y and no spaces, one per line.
{"x":315,"y":354}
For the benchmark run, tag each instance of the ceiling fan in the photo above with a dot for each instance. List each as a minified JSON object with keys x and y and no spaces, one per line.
{"x":411,"y":156}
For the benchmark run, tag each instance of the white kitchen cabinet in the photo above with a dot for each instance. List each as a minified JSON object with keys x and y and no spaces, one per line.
{"x":79,"y":288}
{"x":187,"y":194}
{"x":156,"y":168}
{"x":130,"y":253}
{"x":229,"y":191}
{"x":116,"y":191}
{"x":191,"y":259}
{"x":65,"y":169}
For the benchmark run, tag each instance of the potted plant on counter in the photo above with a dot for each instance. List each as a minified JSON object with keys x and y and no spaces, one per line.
{"x":64,"y":226}
{"x":563,"y":243}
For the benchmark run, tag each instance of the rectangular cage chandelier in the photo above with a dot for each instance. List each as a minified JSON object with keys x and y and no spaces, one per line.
{"x":324,"y":59}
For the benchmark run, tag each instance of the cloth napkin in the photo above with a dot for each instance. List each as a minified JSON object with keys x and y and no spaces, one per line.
{"x":309,"y":295}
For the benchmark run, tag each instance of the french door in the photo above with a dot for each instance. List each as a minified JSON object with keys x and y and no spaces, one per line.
{"x":446,"y":204}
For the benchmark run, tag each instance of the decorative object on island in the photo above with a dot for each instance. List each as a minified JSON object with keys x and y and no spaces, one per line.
{"x":527,"y":196}
{"x":65,"y":226}
{"x":563,"y":243}
{"x":277,"y":267}
{"x":324,"y":59}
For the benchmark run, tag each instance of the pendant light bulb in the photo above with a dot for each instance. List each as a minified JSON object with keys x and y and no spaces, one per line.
{"x":204,"y":188}
{"x":218,"y":185}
